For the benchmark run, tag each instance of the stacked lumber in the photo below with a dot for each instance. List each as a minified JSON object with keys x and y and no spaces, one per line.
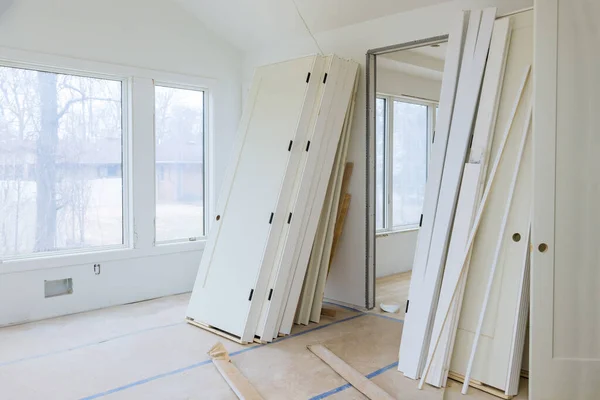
{"x":469,"y":295}
{"x":280,"y":198}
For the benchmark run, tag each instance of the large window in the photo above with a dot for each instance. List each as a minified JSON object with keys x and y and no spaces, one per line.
{"x":180,"y":132}
{"x":404,"y":129}
{"x":61,"y":182}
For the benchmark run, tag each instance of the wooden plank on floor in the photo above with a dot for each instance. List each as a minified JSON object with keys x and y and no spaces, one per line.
{"x":240,"y":385}
{"x":328,"y":312}
{"x":355,"y":378}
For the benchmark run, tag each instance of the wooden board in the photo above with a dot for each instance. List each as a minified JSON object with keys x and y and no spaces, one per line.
{"x":231,"y":285}
{"x":355,"y":378}
{"x":240,"y":385}
{"x":339,"y":224}
{"x":420,"y":316}
{"x":328,"y":312}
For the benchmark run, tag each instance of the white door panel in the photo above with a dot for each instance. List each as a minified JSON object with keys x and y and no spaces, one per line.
{"x":565,"y":313}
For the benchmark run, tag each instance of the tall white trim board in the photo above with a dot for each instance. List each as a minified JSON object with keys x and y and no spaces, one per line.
{"x":420,"y":315}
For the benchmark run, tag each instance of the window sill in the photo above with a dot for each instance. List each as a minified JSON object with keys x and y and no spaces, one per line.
{"x":99,"y":255}
{"x":396,"y":231}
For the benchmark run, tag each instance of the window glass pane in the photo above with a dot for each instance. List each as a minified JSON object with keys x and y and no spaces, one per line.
{"x":179,"y":163}
{"x":380,"y":163}
{"x":409,"y":162}
{"x":61,"y":184}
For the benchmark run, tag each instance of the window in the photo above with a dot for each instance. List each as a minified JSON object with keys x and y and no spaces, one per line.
{"x":57,"y":132}
{"x":179,"y":130}
{"x":404,"y":129}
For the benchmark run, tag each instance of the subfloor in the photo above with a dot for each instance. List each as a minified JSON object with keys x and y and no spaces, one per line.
{"x":146,"y":351}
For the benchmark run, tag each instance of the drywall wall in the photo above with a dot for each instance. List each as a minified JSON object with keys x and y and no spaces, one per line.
{"x":150,"y":34}
{"x":346,"y":281}
{"x":397,"y":83}
{"x":396,"y":250}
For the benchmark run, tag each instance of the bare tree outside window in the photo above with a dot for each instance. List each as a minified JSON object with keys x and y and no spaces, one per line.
{"x":61,"y":183}
{"x":179,"y":130}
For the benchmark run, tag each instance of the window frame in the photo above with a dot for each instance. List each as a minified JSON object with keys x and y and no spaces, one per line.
{"x":126,"y":157}
{"x":388,"y":154}
{"x":138,"y":125}
{"x":206,"y":178}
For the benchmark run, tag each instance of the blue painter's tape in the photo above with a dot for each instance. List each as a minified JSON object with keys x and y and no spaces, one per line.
{"x":152,"y":378}
{"x":189,"y":367}
{"x":386,"y":317}
{"x":331,"y":392}
{"x":346,"y":386}
{"x":35,"y":357}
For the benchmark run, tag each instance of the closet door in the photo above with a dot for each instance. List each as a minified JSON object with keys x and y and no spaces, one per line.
{"x":565,"y":310}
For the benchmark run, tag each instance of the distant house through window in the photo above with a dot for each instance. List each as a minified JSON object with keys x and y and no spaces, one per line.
{"x":180,"y":133}
{"x":404,"y":129}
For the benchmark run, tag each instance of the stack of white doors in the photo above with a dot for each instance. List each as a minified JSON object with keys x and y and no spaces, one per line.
{"x":469,"y":295}
{"x":253,"y":266}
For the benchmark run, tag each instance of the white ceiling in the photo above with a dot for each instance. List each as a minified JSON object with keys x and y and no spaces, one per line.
{"x":251,"y":24}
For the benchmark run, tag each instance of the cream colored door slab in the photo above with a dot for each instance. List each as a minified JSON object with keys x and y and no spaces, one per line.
{"x":565,"y":310}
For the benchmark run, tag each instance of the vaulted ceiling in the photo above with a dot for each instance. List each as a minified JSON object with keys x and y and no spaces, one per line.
{"x":252,"y":24}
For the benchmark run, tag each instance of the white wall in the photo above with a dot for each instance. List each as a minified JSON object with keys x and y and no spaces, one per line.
{"x":398,"y":83}
{"x":346,"y":282}
{"x":150,"y":34}
{"x":395,"y":251}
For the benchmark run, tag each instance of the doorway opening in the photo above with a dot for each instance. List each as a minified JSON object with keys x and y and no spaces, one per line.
{"x":403,"y":92}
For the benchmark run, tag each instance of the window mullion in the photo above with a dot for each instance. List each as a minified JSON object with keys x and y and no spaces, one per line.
{"x":143,"y":162}
{"x":389,"y":163}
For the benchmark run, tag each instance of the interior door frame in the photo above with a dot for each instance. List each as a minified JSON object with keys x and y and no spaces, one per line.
{"x":371,"y":96}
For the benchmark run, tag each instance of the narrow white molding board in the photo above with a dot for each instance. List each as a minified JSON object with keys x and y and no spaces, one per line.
{"x":420,"y":315}
{"x":472,"y":187}
{"x":454,"y":56}
{"x":255,"y":195}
